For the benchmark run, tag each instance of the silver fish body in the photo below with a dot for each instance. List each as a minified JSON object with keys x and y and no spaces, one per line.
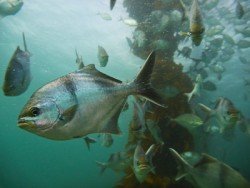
{"x":83,"y":102}
{"x":87,"y":97}
{"x":17,"y":76}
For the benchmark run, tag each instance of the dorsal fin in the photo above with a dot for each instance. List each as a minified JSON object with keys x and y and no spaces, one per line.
{"x":24,"y":43}
{"x":77,"y":56}
{"x":90,"y":69}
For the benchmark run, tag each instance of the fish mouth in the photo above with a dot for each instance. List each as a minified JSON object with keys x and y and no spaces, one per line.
{"x":24,"y":124}
{"x":143,"y":167}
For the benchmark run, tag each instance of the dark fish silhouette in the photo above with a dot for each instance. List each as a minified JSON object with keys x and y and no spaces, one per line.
{"x":17,"y":76}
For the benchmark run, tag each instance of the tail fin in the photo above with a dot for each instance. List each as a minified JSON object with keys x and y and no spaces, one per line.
{"x":143,"y":84}
{"x":103,"y":166}
{"x":24,"y":43}
{"x":183,"y":166}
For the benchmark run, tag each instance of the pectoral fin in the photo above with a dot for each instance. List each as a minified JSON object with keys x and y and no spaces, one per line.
{"x":112,"y":125}
{"x":69,"y":113}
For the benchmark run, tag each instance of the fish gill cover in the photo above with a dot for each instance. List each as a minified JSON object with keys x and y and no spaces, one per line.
{"x":201,"y":72}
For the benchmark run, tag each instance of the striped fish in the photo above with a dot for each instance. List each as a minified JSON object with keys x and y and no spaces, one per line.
{"x":83,"y":102}
{"x":196,"y":27}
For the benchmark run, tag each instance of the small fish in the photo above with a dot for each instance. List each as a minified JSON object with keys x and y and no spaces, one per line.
{"x":208,"y":85}
{"x":224,"y":112}
{"x":129,"y":21}
{"x":218,"y":69}
{"x":137,"y":126}
{"x":243,"y":43}
{"x":196,"y":26}
{"x":197,"y":88}
{"x":185,"y":51}
{"x":18,"y":76}
{"x":228,"y":39}
{"x":188,"y":120}
{"x":104,"y":16}
{"x":239,"y":10}
{"x":244,"y":60}
{"x":142,"y":164}
{"x":138,"y":121}
{"x":102,"y":56}
{"x":10,"y":7}
{"x":84,"y":102}
{"x":107,"y":140}
{"x":79,"y":61}
{"x":209,"y":172}
{"x":88,"y":141}
{"x":118,"y":162}
{"x":112,"y":4}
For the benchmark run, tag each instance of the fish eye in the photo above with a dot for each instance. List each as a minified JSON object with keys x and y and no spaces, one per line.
{"x":35,"y":111}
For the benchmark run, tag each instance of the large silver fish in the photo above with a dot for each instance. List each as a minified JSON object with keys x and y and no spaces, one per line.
{"x":209,"y":172}
{"x":17,"y":76}
{"x":83,"y":102}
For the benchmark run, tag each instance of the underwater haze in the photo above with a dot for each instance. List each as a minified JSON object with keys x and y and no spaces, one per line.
{"x":55,"y":29}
